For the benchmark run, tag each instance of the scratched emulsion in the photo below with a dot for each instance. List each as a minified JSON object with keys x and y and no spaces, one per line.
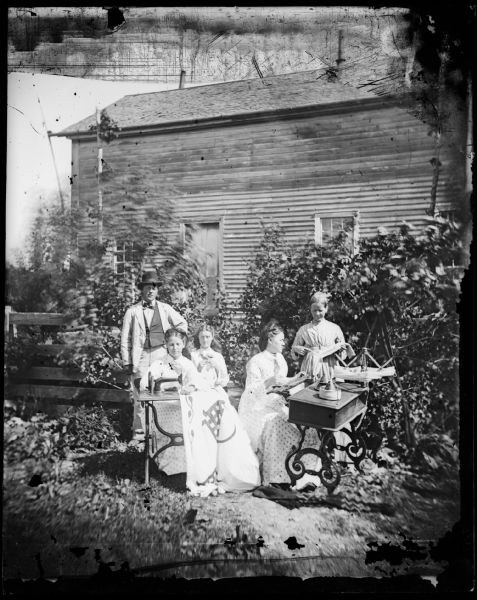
{"x":371,"y":47}
{"x":386,"y":51}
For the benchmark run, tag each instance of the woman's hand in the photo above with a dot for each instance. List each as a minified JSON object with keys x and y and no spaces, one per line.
{"x":270,"y":382}
{"x":275,"y":381}
{"x":209,"y":362}
{"x":188,"y":389}
{"x":301,"y":350}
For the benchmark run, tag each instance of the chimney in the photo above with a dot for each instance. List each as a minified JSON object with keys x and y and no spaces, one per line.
{"x":340,"y":58}
{"x":181,"y":80}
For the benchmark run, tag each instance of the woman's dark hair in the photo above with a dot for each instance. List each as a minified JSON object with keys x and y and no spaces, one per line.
{"x":271,"y":329}
{"x":176,"y":332}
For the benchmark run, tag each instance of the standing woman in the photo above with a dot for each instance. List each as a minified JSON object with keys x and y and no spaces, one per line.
{"x":265,"y":414}
{"x":317,"y":335}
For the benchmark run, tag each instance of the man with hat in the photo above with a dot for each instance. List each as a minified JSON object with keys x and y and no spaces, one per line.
{"x":142,"y":339}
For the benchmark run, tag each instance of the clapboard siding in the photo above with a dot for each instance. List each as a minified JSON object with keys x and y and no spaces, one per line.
{"x":376,"y":161}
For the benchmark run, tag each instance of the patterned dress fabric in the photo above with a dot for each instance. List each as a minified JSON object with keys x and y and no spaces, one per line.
{"x":265,"y":417}
{"x":217,"y":451}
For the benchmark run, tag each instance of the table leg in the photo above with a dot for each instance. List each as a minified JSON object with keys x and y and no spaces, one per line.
{"x":329,"y":473}
{"x":175,"y":439}
{"x":295,"y":468}
{"x":356,"y":449}
{"x":146,"y":445}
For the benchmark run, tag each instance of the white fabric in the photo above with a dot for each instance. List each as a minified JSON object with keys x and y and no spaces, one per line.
{"x":211,"y":365}
{"x":217,"y":450}
{"x":265,"y":418}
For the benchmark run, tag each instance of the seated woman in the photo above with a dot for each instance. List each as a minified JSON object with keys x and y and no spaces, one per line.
{"x":265,"y":414}
{"x":209,"y":362}
{"x":218,"y":454}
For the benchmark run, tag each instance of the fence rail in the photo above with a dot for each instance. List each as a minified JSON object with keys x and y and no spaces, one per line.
{"x":51,"y":382}
{"x":38,"y":318}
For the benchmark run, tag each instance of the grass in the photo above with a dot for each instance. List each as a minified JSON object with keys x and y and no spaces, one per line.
{"x":96,"y":518}
{"x":100,"y":519}
{"x":102,"y":515}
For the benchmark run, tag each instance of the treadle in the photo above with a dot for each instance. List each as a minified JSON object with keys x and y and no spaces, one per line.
{"x":175,"y":438}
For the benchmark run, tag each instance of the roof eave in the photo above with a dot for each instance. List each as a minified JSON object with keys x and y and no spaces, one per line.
{"x":240,"y":118}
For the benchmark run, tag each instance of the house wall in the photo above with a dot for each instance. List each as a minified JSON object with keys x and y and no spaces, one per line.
{"x":288,"y":171}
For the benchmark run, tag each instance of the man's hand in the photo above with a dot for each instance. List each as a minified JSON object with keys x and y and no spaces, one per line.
{"x":128,"y":369}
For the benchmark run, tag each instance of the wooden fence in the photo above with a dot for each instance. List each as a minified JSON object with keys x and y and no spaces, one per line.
{"x":43,"y":380}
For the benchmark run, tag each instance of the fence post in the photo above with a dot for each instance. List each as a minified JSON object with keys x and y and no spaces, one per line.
{"x":10,"y":330}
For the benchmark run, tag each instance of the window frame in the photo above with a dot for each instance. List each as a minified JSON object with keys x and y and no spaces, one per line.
{"x":115,"y":251}
{"x":338,"y":214}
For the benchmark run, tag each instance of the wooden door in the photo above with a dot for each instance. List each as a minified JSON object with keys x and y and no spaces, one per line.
{"x":205,"y":239}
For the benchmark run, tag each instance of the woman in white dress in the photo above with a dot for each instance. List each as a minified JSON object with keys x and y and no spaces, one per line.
{"x":207,"y":361}
{"x":265,"y":414}
{"x":218,"y":454}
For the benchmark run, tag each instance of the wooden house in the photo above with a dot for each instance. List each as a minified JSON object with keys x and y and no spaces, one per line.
{"x":298,"y":149}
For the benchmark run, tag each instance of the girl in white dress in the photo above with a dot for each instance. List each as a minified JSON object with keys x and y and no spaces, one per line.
{"x":313,"y":337}
{"x":218,"y":454}
{"x":207,"y":361}
{"x":265,"y":414}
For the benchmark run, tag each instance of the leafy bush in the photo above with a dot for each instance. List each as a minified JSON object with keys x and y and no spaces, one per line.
{"x":40,"y":438}
{"x":89,"y":429}
{"x":401,"y":280}
{"x":47,"y":440}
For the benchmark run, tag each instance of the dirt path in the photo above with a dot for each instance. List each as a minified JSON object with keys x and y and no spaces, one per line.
{"x":335,"y":541}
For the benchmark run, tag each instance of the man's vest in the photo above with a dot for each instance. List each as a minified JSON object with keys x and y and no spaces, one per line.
{"x":154,"y":332}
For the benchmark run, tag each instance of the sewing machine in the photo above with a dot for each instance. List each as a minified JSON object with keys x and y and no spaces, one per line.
{"x":335,"y":403}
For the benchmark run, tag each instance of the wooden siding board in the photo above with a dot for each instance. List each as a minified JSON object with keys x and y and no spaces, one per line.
{"x":375,"y":161}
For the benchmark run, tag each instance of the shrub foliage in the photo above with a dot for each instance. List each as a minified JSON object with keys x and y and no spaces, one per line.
{"x":407,"y":282}
{"x":403,"y":284}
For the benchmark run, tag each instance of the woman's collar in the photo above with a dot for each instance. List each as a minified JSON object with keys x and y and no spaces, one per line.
{"x":270,"y":354}
{"x":319,"y":322}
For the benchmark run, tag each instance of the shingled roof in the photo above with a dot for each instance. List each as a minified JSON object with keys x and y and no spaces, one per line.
{"x":308,"y":88}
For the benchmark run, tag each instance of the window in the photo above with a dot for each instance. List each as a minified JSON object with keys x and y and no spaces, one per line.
{"x":329,"y":225}
{"x":125,"y":256}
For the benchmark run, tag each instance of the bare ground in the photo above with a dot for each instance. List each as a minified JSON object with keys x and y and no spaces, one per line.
{"x":384,"y":523}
